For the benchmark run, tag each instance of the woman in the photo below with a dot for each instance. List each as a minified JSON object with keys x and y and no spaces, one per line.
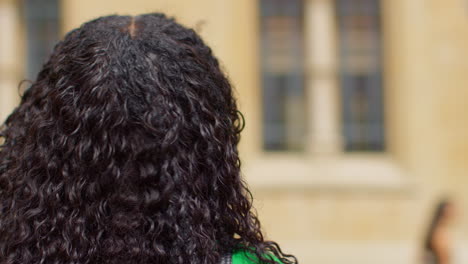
{"x":124,"y":150}
{"x":438,"y":244}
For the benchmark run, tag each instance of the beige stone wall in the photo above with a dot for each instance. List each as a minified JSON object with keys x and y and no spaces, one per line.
{"x":427,"y":88}
{"x":334,"y":209}
{"x":448,"y":58}
{"x":11,"y":56}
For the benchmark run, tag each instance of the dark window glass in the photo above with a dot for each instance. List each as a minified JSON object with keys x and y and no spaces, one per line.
{"x":360,"y":60}
{"x":42,"y":32}
{"x":282,"y":72}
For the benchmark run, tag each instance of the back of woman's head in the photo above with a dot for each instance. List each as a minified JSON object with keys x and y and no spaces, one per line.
{"x":124,"y":150}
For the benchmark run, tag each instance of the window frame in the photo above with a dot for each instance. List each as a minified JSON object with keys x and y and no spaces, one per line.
{"x":324,"y":165}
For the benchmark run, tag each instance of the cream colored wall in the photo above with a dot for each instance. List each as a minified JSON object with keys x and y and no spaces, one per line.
{"x":448,"y":59}
{"x":11,"y":56}
{"x":426,"y":94}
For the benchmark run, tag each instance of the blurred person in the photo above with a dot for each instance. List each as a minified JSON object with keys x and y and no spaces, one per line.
{"x":439,"y":244}
{"x":124,"y":150}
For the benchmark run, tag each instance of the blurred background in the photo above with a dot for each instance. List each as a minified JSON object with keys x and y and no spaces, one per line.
{"x":355,"y":110}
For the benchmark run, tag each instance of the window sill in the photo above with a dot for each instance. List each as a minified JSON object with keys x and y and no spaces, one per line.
{"x":350,"y":172}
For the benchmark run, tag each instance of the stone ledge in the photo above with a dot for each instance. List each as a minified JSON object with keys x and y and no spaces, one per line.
{"x":353,"y":172}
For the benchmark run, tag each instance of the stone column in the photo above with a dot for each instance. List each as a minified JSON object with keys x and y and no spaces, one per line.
{"x":324,"y":132}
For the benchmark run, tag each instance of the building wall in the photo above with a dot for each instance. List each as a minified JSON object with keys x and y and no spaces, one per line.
{"x":336,"y":208}
{"x":11,"y":56}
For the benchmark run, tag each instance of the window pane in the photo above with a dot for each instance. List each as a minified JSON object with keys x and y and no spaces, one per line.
{"x":361,"y":74}
{"x":282,"y":74}
{"x":42,"y":32}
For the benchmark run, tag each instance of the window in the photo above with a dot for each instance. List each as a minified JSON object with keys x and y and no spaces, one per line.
{"x":42,"y":32}
{"x":339,"y":64}
{"x":282,"y":71}
{"x":286,"y":95}
{"x":360,"y":66}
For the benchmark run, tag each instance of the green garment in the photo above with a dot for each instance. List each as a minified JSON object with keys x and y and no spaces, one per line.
{"x":244,"y":257}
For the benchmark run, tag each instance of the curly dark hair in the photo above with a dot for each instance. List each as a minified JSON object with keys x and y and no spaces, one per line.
{"x":124,"y":150}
